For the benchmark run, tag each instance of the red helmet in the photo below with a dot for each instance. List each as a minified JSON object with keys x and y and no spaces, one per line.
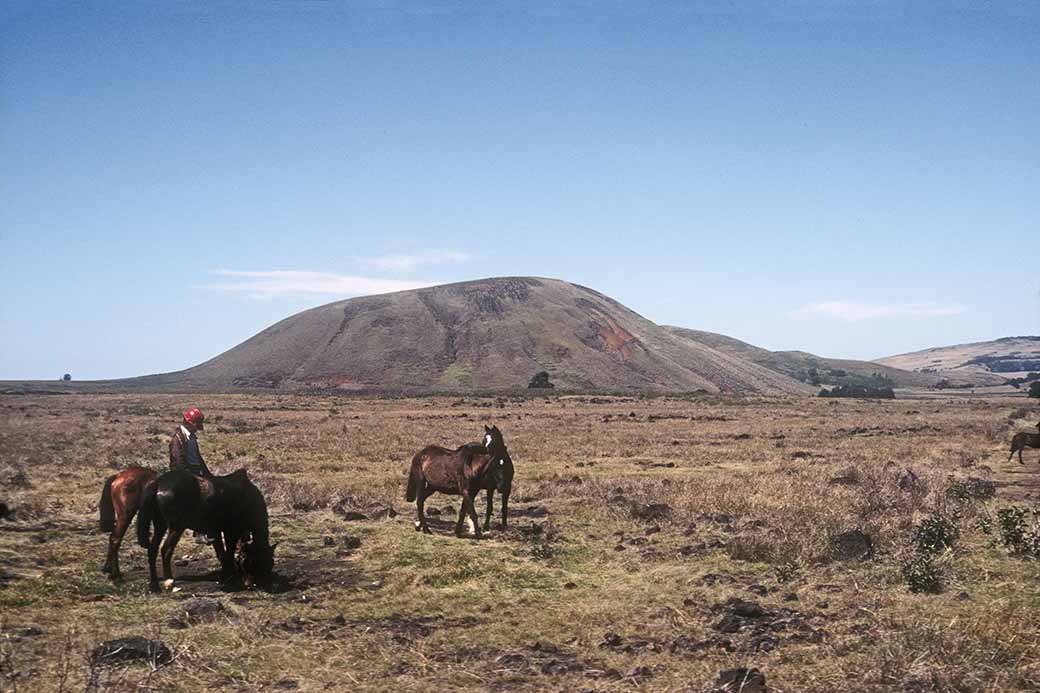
{"x":194,"y":417}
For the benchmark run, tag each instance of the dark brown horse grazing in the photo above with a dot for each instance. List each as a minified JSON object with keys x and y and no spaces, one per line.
{"x":229,"y":504}
{"x":464,"y":472}
{"x":120,"y":499}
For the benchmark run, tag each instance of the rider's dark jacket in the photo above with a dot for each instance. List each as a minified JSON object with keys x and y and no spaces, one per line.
{"x":185,"y":453}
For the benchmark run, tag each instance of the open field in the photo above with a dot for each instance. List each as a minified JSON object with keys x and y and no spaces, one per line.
{"x":636,"y":526}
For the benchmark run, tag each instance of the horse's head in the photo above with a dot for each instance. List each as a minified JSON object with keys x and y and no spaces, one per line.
{"x":501,"y":462}
{"x":257,"y":561}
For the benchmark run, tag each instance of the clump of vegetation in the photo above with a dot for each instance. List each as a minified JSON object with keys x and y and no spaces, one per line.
{"x":1020,"y":536}
{"x":540,"y":381}
{"x":922,"y":574}
{"x":935,"y":534}
{"x":921,"y":570}
{"x":858,"y":392}
{"x":1034,"y":389}
{"x":971,"y":489}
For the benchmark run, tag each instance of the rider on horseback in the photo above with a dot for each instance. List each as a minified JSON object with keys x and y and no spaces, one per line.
{"x":185,"y":455}
{"x":184,"y":446}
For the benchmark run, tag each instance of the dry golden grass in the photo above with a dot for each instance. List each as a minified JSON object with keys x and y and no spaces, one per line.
{"x":755,"y":491}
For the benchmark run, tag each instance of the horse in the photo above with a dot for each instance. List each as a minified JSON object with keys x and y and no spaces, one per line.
{"x":1024,"y":440}
{"x":120,"y":499}
{"x":464,"y":471}
{"x":229,"y":504}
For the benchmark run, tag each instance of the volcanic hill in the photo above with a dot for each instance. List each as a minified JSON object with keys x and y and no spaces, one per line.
{"x":484,"y":335}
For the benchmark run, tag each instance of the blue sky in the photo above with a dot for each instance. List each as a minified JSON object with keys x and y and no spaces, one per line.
{"x":851,"y":179}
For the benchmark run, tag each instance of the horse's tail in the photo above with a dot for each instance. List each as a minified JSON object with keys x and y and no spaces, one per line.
{"x":105,"y":508}
{"x":415,"y":480}
{"x":145,"y":516}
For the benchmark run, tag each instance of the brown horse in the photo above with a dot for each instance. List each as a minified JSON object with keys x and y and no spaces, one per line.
{"x":464,"y":471}
{"x":1024,"y":440}
{"x":120,"y":499}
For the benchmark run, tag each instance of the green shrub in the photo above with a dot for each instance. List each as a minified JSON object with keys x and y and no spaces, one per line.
{"x":935,"y":534}
{"x":1020,"y":536}
{"x":922,"y":575}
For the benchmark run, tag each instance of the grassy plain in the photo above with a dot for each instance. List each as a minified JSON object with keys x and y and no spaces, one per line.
{"x":634,"y":521}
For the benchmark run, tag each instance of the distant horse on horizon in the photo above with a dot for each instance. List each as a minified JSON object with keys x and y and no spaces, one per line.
{"x":120,"y":499}
{"x":464,"y":471}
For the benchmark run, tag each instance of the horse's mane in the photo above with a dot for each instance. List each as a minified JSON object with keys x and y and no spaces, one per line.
{"x":235,"y":475}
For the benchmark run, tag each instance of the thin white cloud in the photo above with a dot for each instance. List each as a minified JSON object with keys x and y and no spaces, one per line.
{"x":851,"y":311}
{"x":276,"y":283}
{"x":410,"y":262}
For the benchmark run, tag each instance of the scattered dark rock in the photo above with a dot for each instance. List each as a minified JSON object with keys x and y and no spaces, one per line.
{"x":853,"y":544}
{"x":652,"y":529}
{"x":764,"y":643}
{"x":800,"y":455}
{"x":606,"y":674}
{"x":329,"y":541}
{"x":742,"y":436}
{"x":285,"y":685}
{"x":534,"y":511}
{"x":201,"y":609}
{"x":760,"y":590}
{"x":651,"y":511}
{"x":611,"y":640}
{"x":351,"y":515}
{"x":383,"y":514}
{"x":730,"y":623}
{"x":741,"y":680}
{"x":133,"y":648}
{"x":847,"y":479}
{"x":963,"y":597}
{"x":570,"y":585}
{"x":745,"y":609}
{"x":5,"y":510}
{"x":351,"y":542}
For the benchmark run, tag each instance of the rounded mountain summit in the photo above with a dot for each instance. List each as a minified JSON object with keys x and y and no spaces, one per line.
{"x":484,"y":335}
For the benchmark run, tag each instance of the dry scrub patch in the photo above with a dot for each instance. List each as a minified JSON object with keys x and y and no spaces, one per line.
{"x":652,"y":543}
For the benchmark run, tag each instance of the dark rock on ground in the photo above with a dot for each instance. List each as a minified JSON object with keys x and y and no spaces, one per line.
{"x":329,"y":541}
{"x":285,"y":685}
{"x":851,"y":545}
{"x":201,"y":608}
{"x":133,"y":648}
{"x":5,"y":510}
{"x":651,"y":511}
{"x":742,"y":680}
{"x":351,"y":542}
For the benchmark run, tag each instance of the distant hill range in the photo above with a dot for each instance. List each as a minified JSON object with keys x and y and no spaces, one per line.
{"x":1009,"y":358}
{"x":495,"y":335}
{"x":819,"y":370}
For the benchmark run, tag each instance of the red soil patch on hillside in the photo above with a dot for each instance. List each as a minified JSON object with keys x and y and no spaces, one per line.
{"x":617,"y":339}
